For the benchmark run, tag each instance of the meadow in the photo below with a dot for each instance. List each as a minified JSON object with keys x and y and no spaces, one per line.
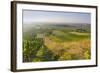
{"x":56,"y":42}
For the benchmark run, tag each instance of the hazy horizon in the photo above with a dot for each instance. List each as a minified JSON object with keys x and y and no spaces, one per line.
{"x":30,"y":16}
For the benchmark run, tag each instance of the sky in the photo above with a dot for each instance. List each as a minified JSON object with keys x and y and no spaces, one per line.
{"x":32,"y":16}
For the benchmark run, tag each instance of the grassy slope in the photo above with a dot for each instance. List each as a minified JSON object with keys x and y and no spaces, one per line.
{"x":68,"y":44}
{"x":60,"y":36}
{"x":76,"y":45}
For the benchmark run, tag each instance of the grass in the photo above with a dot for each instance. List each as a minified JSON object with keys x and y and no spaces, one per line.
{"x":73,"y":45}
{"x":79,"y":48}
{"x":60,"y":36}
{"x":56,"y":44}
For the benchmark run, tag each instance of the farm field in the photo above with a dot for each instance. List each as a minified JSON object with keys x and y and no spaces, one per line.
{"x":56,"y":42}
